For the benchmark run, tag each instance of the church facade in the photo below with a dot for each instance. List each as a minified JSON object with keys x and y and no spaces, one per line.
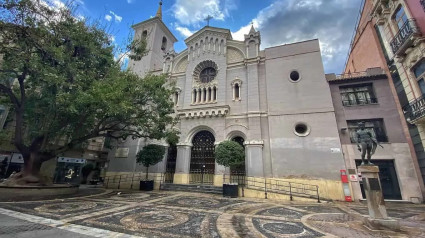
{"x":275,"y":102}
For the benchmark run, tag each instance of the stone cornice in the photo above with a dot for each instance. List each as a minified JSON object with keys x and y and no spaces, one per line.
{"x":254,"y":143}
{"x":218,"y":111}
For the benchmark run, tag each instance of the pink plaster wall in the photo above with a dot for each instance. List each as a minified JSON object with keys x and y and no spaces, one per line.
{"x":418,"y":13}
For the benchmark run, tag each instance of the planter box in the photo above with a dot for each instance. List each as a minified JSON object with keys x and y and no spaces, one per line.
{"x":146,"y":185}
{"x":230,"y":190}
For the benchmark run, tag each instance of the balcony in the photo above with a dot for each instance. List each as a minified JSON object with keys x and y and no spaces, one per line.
{"x":405,"y":37}
{"x":415,"y":110}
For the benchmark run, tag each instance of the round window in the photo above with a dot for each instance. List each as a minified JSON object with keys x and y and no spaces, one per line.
{"x":301,"y":129}
{"x":294,"y":76}
{"x":207,"y":75}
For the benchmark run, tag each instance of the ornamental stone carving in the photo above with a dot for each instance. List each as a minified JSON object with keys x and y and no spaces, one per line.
{"x":202,"y":113}
{"x":234,"y":56}
{"x":181,"y":66}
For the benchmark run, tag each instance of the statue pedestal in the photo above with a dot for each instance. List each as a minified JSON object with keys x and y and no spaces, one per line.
{"x":378,"y":216}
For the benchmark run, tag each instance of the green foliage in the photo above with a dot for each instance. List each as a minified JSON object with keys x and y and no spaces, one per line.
{"x":172,"y":138}
{"x":59,"y":76}
{"x":229,"y":154}
{"x":150,"y":155}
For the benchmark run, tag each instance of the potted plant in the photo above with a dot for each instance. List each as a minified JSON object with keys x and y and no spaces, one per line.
{"x":148,"y":156}
{"x":230,"y":154}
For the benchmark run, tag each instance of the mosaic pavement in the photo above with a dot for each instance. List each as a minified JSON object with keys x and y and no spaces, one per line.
{"x":168,"y":214}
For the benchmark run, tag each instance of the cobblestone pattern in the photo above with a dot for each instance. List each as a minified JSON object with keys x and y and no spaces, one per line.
{"x":15,"y":226}
{"x":167,"y":214}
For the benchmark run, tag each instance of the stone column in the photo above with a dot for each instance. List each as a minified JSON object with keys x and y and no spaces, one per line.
{"x":181,"y":176}
{"x":219,"y":171}
{"x":378,"y":216}
{"x":254,"y":158}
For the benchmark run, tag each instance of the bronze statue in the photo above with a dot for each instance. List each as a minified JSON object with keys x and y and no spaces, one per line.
{"x":366,"y":143}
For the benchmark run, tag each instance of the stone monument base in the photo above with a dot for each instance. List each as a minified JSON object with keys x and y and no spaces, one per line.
{"x":382,"y":224}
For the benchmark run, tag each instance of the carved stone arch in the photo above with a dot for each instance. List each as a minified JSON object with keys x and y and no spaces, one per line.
{"x":197,"y":129}
{"x":234,"y":134}
{"x":234,"y":55}
{"x":181,"y":65}
{"x":203,"y":65}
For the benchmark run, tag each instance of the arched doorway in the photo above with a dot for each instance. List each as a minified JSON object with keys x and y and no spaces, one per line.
{"x":239,"y":170}
{"x":202,"y":162}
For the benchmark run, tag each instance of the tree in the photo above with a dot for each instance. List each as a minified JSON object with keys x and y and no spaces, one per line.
{"x":229,"y":154}
{"x":150,"y":155}
{"x":59,"y":77}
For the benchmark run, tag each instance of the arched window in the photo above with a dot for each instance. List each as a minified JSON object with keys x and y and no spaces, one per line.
{"x":176,"y":98}
{"x":164,"y":43}
{"x":237,"y":92}
{"x":194,"y":96}
{"x":209,"y":95}
{"x":214,"y":94}
{"x":204,"y":99}
{"x":145,"y":34}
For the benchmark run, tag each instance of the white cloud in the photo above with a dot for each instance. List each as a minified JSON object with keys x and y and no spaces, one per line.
{"x":288,"y":21}
{"x":192,"y":12}
{"x":184,"y":31}
{"x":108,"y":17}
{"x":117,"y":18}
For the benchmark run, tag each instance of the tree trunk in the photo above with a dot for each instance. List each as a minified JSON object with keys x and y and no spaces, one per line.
{"x":147,"y":172}
{"x":32,"y":165}
{"x":30,"y":175}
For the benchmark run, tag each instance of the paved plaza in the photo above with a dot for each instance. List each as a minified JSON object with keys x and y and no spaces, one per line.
{"x":172,"y":214}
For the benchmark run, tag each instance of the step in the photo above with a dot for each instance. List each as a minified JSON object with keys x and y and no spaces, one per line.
{"x":196,"y":188}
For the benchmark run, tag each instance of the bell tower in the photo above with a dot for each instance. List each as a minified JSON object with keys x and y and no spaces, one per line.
{"x":159,"y":40}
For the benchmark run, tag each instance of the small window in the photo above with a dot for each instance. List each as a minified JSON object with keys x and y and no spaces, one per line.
{"x":358,"y":95}
{"x":301,"y":129}
{"x":374,"y":126}
{"x":164,"y":43}
{"x":145,"y":34}
{"x":237,"y":88}
{"x":176,"y":98}
{"x":294,"y":76}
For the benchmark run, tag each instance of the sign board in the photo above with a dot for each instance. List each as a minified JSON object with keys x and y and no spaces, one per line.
{"x":71,"y":160}
{"x":121,"y":153}
{"x":335,"y":150}
{"x":353,"y":178}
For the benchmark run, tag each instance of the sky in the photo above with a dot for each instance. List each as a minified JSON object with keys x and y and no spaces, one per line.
{"x":279,"y":21}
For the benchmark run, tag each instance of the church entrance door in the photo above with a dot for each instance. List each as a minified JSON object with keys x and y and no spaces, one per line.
{"x":202,"y":162}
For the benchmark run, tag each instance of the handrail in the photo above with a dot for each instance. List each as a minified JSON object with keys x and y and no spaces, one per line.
{"x":408,"y":28}
{"x":275,"y":186}
{"x":415,"y":109}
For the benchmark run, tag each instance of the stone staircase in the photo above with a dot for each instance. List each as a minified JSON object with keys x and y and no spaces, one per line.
{"x":194,"y":188}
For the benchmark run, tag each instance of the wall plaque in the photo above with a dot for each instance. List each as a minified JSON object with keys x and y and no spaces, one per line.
{"x":374,"y":184}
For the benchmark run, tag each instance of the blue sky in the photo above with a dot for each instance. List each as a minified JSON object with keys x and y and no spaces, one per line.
{"x":279,"y":21}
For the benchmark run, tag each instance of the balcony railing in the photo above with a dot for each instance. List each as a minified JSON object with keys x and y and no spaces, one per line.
{"x":403,"y":37}
{"x":415,"y":109}
{"x":357,"y":102}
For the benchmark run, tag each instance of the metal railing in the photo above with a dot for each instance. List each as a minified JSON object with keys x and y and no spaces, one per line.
{"x":270,"y":185}
{"x":408,"y":29}
{"x":357,"y":102}
{"x":201,"y":176}
{"x":415,"y":109}
{"x":116,"y":181}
